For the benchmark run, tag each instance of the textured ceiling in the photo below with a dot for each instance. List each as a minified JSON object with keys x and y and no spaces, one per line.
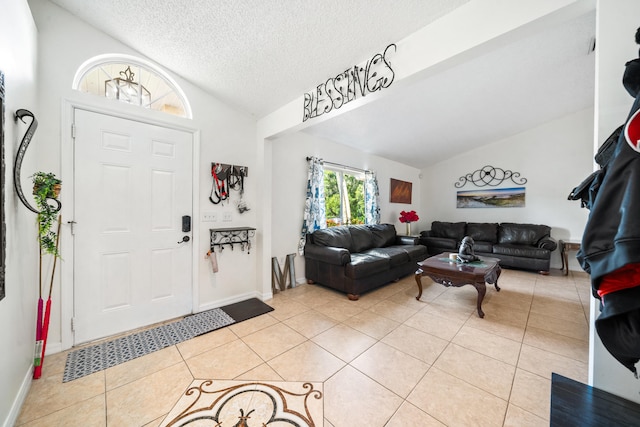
{"x":258,"y":55}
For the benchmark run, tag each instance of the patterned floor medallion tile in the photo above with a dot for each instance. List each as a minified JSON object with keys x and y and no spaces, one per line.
{"x":248,"y":404}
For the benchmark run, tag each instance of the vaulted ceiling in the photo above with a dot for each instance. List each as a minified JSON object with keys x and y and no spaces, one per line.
{"x":260,"y":55}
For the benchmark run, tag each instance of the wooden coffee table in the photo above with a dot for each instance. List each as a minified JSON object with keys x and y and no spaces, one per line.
{"x":453,"y":273}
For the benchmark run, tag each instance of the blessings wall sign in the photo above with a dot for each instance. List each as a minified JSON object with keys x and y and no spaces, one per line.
{"x":353,"y":83}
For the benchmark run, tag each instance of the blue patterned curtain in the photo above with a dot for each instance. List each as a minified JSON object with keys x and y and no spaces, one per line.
{"x":315,"y":217}
{"x":371,"y":193}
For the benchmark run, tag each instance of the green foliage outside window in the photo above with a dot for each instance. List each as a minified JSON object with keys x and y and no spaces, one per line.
{"x":338,"y":210}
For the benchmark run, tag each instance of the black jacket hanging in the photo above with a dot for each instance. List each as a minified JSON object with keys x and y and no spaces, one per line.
{"x":611,"y":238}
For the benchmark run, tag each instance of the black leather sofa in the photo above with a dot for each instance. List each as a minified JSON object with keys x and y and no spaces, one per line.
{"x":522,"y":246}
{"x":358,"y":258}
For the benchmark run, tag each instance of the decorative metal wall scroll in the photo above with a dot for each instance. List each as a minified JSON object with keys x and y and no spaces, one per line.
{"x":21,"y":114}
{"x":490,"y":176}
{"x":356,"y":82}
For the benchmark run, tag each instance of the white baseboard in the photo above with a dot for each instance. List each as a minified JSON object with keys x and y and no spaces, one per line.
{"x":12,"y":417}
{"x":53,"y":348}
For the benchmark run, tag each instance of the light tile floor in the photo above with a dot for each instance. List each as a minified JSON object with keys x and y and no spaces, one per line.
{"x":385,"y":360}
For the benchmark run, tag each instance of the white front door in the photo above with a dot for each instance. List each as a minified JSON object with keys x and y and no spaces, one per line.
{"x":132,"y":186}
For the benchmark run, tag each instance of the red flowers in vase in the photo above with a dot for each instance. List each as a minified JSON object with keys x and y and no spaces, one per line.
{"x":408,"y":216}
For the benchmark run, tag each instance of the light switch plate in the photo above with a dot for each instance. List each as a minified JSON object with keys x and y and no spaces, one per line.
{"x":209,"y":217}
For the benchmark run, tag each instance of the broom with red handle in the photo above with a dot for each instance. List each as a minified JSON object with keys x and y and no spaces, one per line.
{"x":38,"y":351}
{"x":47,"y":314}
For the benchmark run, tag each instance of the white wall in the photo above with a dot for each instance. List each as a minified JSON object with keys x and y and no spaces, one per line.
{"x":616,"y":26}
{"x":289,"y":181}
{"x":554,"y":158}
{"x":225,"y":136}
{"x":470,"y":30}
{"x":18,"y":52}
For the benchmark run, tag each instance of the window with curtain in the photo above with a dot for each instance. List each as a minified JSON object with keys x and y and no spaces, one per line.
{"x":343,"y":197}
{"x":338,"y":195}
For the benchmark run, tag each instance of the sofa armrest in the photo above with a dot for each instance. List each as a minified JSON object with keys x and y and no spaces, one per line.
{"x":548,"y":243}
{"x":328,"y":254}
{"x":407,"y":240}
{"x":426,"y":233}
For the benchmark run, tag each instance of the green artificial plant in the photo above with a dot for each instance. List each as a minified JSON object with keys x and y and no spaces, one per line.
{"x":46,"y":186}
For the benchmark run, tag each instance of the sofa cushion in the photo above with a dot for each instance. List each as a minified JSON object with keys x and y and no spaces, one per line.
{"x":483,"y":231}
{"x":522,"y":251}
{"x":338,"y":237}
{"x":449,"y":230}
{"x":440,"y":242}
{"x":415,"y":252}
{"x":521,"y":234}
{"x":383,"y":235}
{"x":394,"y":254}
{"x":483,"y":247}
{"x":364,"y":265}
{"x":361,"y":238}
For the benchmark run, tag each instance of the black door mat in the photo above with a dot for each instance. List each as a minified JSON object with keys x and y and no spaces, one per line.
{"x":88,"y":360}
{"x":245,"y":310}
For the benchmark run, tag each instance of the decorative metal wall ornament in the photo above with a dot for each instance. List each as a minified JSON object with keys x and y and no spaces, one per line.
{"x":26,"y":140}
{"x":490,"y":176}
{"x":355,"y":82}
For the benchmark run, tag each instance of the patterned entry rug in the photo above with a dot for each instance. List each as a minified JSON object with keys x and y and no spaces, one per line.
{"x":248,"y":404}
{"x":87,"y":360}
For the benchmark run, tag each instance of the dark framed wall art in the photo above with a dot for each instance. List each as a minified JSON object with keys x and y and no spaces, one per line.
{"x":400,"y":191}
{"x":3,"y":239}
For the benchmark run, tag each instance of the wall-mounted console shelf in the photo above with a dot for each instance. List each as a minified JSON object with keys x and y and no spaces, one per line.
{"x":231,"y":237}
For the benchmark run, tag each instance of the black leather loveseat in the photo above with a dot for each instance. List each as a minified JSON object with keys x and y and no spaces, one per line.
{"x":524,"y":246}
{"x":357,"y":258}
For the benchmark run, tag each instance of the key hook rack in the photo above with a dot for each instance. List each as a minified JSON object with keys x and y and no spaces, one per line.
{"x":221,"y":237}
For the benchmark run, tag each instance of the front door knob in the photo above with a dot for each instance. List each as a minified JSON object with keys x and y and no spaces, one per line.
{"x":184,"y":239}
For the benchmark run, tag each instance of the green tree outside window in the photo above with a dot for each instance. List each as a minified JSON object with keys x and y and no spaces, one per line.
{"x":344,"y":198}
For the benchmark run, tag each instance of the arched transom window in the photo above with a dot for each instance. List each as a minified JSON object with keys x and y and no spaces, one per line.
{"x":133,"y":81}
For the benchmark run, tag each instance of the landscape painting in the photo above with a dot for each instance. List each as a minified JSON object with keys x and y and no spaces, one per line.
{"x":494,"y":198}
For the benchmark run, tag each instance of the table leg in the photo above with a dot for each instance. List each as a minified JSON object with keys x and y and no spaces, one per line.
{"x":418,"y":277}
{"x":482,"y":290}
{"x":565,"y":261}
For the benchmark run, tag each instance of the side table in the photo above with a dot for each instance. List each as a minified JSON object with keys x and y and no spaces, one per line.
{"x":565,"y":247}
